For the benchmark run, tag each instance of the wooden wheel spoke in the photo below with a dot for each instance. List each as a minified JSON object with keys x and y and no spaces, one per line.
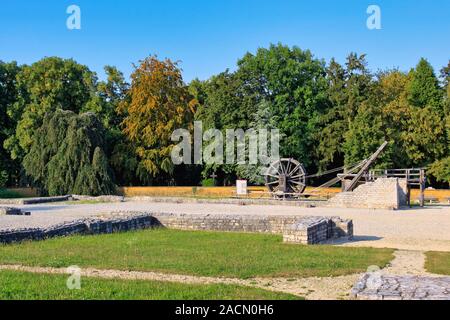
{"x":293,"y":174}
{"x":288,"y":166}
{"x":295,"y":169}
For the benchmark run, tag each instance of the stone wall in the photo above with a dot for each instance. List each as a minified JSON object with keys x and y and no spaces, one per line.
{"x":80,"y":227}
{"x":384,"y":193}
{"x":6,"y":211}
{"x":295,"y":229}
{"x":35,"y":200}
{"x":298,"y":229}
{"x":110,"y":198}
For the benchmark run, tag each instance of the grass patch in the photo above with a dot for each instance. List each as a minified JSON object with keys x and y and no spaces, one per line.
{"x":28,"y":286}
{"x":8,"y":194}
{"x":196,"y":253}
{"x":438,"y":262}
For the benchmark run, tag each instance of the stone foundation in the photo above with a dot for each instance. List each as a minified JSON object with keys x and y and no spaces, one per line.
{"x":109,"y":198}
{"x":295,"y":229}
{"x":302,"y":230}
{"x":80,"y":227}
{"x":35,"y":200}
{"x":12,"y":212}
{"x":377,"y":286}
{"x":384,"y":193}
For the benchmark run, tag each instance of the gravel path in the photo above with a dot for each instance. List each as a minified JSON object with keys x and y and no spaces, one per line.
{"x":404,"y":278}
{"x":411,"y":229}
{"x":310,"y":288}
{"x":407,"y":263}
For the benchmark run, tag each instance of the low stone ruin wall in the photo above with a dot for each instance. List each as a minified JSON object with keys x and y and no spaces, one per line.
{"x":5,"y":211}
{"x":295,"y":229}
{"x":35,"y":200}
{"x":109,"y":198}
{"x":81,"y":227}
{"x":39,"y":200}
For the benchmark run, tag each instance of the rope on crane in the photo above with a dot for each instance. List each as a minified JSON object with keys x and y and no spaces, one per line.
{"x":320,"y":174}
{"x":337,"y":179}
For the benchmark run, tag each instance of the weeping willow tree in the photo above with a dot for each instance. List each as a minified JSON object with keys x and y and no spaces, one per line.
{"x":67,"y":156}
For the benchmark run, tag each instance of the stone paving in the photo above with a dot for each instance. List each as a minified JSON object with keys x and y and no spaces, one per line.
{"x":405,"y":278}
{"x":377,"y":286}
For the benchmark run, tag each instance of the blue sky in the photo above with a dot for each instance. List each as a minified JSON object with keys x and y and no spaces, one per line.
{"x":209,"y":36}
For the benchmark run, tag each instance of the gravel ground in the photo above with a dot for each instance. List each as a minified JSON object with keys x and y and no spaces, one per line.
{"x":409,"y":229}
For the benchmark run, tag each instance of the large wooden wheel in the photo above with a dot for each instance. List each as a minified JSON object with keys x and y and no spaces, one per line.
{"x":286,"y":177}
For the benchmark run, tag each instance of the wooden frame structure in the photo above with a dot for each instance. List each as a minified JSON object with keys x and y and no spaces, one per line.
{"x":287,"y":177}
{"x":413,"y":176}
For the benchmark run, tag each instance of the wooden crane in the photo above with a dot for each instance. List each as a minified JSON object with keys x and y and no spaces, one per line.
{"x":287,"y":177}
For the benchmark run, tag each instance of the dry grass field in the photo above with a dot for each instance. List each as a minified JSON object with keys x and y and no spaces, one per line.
{"x":227,"y":192}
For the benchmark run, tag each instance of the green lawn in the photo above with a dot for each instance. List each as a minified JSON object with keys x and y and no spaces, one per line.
{"x":28,"y":286}
{"x":196,"y":253}
{"x":438,"y":262}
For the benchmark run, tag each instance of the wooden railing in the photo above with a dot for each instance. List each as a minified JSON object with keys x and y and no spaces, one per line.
{"x":413,"y":176}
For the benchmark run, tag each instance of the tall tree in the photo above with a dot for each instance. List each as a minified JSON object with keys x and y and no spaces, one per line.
{"x":45,"y":86}
{"x":106,"y":97}
{"x":424,"y":86}
{"x":158,"y":103}
{"x":67,"y":156}
{"x":9,"y":169}
{"x":293,"y":83}
{"x":347,"y":89}
{"x":105,"y":101}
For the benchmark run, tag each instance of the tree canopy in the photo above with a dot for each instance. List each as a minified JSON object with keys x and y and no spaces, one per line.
{"x":9,"y":169}
{"x":46,"y":86}
{"x":65,"y":131}
{"x":157,"y":103}
{"x":67,"y":155}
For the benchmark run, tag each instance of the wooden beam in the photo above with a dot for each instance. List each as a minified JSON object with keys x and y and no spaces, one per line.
{"x":366,"y":166}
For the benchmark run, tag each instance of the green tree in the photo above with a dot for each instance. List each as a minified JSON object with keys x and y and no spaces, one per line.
{"x":424,"y":86}
{"x":365,"y":134}
{"x":347,"y":89}
{"x":441,"y":170}
{"x":45,"y":86}
{"x":293,"y":82}
{"x":106,"y":97}
{"x":287,"y":83}
{"x":67,"y":156}
{"x":445,"y":76}
{"x":223,"y":104}
{"x":105,"y":101}
{"x":416,"y":134}
{"x":9,"y":169}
